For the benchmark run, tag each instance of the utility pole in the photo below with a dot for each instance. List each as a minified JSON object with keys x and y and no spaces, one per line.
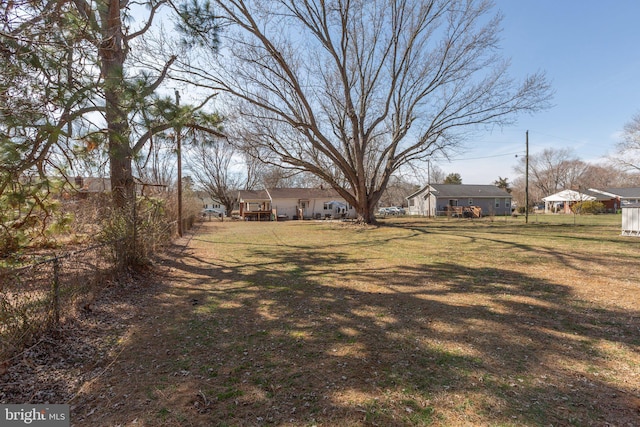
{"x":429,"y":186}
{"x":178,"y":144}
{"x":526,"y":181}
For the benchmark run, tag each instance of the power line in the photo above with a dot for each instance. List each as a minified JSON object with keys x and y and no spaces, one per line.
{"x":486,"y":157}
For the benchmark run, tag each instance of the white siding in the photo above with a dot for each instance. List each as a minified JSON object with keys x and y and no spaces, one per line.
{"x":285,"y":207}
{"x":423,"y":204}
{"x":631,"y":220}
{"x":313,"y":208}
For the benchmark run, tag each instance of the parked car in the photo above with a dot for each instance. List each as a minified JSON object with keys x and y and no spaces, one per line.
{"x":392,"y":210}
{"x":213,"y":212}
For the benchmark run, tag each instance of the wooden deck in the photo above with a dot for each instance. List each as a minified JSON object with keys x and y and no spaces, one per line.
{"x":257,"y":215}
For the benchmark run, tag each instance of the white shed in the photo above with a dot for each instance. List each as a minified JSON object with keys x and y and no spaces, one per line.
{"x":631,"y":219}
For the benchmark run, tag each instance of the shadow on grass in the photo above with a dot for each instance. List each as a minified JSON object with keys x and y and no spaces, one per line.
{"x":329,"y":341}
{"x":511,"y":237}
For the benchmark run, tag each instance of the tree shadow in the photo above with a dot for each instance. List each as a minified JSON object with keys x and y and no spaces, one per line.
{"x":511,"y":236}
{"x":329,"y":340}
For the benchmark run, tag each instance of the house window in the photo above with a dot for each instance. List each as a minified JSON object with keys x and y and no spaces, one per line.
{"x":507,"y":203}
{"x":412,"y":202}
{"x":327,"y":206}
{"x":470,"y":201}
{"x":497,"y":203}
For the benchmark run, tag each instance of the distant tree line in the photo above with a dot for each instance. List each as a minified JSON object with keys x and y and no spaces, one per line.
{"x":557,"y":169}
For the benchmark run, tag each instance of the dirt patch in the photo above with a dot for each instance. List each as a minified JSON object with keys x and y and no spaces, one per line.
{"x":56,"y":367}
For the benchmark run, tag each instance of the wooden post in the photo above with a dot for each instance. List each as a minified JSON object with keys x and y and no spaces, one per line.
{"x":55,"y":292}
{"x":178,"y":143}
{"x":526,"y":181}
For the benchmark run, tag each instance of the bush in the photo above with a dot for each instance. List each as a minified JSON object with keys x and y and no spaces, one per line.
{"x":587,"y":207}
{"x":521,"y":210}
{"x":137,"y":231}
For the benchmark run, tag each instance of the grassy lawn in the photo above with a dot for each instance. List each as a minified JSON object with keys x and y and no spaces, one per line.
{"x":415,"y":322}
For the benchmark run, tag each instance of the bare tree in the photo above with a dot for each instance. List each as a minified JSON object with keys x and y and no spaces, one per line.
{"x":627,"y":155}
{"x":606,"y":175}
{"x":353,"y":90}
{"x":396,"y":192}
{"x":214,"y":165}
{"x":437,"y":175}
{"x":557,"y":169}
{"x":553,"y":170}
{"x":156,"y":166}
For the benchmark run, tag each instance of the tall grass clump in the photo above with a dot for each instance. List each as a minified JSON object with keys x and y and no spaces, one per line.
{"x":135,"y":232}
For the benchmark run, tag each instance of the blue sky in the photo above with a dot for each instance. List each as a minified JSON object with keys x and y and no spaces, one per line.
{"x":590,"y":51}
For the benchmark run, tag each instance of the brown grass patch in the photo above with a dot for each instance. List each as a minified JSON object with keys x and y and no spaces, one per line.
{"x":411,"y":323}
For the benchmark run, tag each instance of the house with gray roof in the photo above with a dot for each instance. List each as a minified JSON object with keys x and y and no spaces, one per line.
{"x":612,"y":199}
{"x":442,"y":199}
{"x":618,"y":197}
{"x":562,"y":201}
{"x":293,"y":203}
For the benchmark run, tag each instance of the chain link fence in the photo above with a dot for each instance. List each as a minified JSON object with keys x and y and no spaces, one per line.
{"x":42,"y":295}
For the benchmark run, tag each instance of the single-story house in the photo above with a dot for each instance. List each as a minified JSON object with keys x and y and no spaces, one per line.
{"x":618,"y":197}
{"x":293,"y":203}
{"x":211,"y":205}
{"x":611,"y":198}
{"x":562,"y":201}
{"x":442,"y":199}
{"x":91,"y":186}
{"x":88,"y":186}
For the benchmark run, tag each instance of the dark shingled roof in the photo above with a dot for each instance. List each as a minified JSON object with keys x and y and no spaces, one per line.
{"x":290,"y":193}
{"x":468,"y":191}
{"x":253,"y":195}
{"x":623,"y":193}
{"x":303,"y":193}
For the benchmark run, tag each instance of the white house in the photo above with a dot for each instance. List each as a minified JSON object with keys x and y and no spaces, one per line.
{"x":293,"y":203}
{"x":211,"y":205}
{"x":562,"y":201}
{"x":438,"y":199}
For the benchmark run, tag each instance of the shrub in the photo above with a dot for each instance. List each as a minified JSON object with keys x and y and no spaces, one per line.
{"x":522,"y":210}
{"x":137,"y":231}
{"x":587,"y":207}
